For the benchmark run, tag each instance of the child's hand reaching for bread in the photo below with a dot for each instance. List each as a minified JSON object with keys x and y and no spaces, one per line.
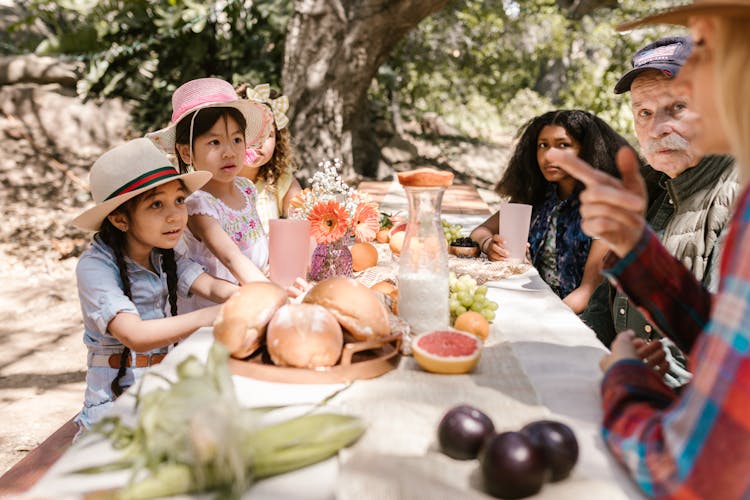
{"x":298,"y":289}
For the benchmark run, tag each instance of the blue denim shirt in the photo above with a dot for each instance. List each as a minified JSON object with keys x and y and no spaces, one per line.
{"x":102,"y":298}
{"x":572,"y":245}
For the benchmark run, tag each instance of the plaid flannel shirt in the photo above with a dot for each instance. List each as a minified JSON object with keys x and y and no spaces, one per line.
{"x":697,"y":444}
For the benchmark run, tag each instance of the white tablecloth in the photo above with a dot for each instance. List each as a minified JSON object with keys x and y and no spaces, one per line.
{"x":540,"y":362}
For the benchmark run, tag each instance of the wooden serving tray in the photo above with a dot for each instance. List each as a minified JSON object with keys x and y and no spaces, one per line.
{"x":359,"y":360}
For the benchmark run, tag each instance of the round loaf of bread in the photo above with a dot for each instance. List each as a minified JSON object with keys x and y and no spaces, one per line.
{"x":425,"y":177}
{"x":356,"y":307}
{"x":243,"y":318}
{"x":304,"y":336}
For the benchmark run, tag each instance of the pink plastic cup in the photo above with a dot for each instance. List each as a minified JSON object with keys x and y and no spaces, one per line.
{"x":515,"y":219}
{"x":289,"y":250}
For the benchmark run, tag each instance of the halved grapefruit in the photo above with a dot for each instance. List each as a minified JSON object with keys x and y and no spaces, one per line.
{"x":447,"y":351}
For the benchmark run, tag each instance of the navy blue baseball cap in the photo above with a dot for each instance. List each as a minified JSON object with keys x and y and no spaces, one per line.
{"x":666,"y":55}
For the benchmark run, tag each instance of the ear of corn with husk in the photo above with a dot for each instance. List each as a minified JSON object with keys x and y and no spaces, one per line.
{"x":193,"y":436}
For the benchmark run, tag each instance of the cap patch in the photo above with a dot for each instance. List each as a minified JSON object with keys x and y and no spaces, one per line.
{"x":665,"y":52}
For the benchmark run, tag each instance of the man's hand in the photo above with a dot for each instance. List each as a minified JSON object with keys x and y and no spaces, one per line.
{"x":627,"y":346}
{"x":652,"y":353}
{"x":622,"y":348}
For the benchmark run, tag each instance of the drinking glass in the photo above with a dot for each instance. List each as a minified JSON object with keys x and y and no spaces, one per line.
{"x":515,"y":219}
{"x":289,"y":250}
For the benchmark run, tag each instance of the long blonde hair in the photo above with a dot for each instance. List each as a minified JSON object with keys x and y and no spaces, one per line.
{"x":732,"y":68}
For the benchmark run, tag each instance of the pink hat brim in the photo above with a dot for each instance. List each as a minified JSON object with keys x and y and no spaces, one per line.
{"x":258,"y":118}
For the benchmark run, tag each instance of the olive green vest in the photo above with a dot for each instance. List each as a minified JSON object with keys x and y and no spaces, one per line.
{"x":689,"y":213}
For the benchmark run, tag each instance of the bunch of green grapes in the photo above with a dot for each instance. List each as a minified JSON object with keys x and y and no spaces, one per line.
{"x":452,"y":231}
{"x":465,"y":295}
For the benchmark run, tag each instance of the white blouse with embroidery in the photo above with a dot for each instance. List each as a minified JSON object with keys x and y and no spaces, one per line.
{"x":243,"y":226}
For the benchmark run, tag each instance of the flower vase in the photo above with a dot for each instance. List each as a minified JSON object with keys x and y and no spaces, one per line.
{"x":331,"y":259}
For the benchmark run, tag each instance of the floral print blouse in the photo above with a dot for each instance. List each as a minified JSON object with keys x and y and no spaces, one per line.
{"x":243,"y":226}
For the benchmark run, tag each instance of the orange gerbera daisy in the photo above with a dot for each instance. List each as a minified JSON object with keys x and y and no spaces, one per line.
{"x":328,"y":221}
{"x":366,"y":223}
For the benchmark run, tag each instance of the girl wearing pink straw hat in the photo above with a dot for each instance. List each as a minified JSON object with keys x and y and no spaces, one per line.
{"x":131,"y":274}
{"x":211,"y":127}
{"x":694,"y":443}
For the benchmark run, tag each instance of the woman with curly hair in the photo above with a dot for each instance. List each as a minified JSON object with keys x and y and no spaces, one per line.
{"x":566,"y":258}
{"x":271,"y":166}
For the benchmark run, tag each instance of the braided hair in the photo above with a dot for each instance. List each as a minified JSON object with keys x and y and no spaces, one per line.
{"x":116,"y":240}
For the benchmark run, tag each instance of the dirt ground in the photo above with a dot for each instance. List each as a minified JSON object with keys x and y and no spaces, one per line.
{"x":42,"y":356}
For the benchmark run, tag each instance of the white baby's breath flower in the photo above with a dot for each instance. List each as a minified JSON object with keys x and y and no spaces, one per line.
{"x":326,"y":185}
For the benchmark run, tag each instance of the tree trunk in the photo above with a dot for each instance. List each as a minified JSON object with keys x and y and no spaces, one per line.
{"x":333,"y":51}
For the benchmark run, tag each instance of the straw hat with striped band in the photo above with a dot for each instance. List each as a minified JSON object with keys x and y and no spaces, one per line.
{"x":213,"y":93}
{"x":125,"y":172}
{"x":680,"y":15}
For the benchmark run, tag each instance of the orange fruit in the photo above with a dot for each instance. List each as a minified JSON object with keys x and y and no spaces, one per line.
{"x":397,"y":242}
{"x":447,"y":351}
{"x":473,"y":322}
{"x":386,"y":288}
{"x":397,"y":228}
{"x":364,"y":255}
{"x":383,"y":236}
{"x":389,"y":289}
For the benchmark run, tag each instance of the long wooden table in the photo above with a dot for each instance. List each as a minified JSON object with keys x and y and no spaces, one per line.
{"x":461,"y":199}
{"x":461,"y":203}
{"x":540,"y":361}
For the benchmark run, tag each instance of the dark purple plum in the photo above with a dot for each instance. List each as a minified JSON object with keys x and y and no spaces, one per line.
{"x":462,"y":431}
{"x":512,"y":467}
{"x":558,"y":444}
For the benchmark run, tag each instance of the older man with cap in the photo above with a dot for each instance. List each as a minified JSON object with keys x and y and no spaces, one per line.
{"x":689,"y":196}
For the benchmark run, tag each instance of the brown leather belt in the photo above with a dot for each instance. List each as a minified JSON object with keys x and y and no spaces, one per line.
{"x":141,"y":360}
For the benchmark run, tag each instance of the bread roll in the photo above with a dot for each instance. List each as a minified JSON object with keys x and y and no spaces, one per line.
{"x":356,"y":307}
{"x":425,"y":177}
{"x":243,"y":318}
{"x":304,"y":336}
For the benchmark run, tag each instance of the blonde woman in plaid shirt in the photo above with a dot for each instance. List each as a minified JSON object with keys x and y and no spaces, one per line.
{"x":695,"y":444}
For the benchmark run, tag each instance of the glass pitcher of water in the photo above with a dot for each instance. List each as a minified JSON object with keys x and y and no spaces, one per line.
{"x":423,"y":264}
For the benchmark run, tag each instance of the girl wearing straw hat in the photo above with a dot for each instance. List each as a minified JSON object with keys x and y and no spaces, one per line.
{"x":210,"y":129}
{"x":130,"y":276}
{"x":695,"y":444}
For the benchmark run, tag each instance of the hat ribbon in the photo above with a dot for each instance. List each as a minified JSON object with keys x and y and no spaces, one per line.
{"x":279,"y":106}
{"x":144,"y":180}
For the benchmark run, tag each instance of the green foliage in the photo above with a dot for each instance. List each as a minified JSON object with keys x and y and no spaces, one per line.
{"x":144,"y":49}
{"x":488,"y":66}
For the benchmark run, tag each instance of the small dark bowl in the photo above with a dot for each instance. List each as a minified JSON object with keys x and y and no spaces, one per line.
{"x":464,"y":252}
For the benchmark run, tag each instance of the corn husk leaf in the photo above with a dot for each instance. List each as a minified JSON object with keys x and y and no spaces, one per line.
{"x":193,"y":436}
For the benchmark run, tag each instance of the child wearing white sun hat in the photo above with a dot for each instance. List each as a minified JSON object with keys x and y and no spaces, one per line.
{"x":130,"y":276}
{"x":210,"y":130}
